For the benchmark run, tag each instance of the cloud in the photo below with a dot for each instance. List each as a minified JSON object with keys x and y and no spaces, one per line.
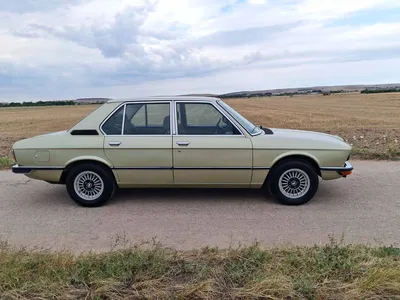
{"x":111,"y":39}
{"x":53,"y":47}
{"x":257,"y":2}
{"x":253,"y":35}
{"x":34,"y":6}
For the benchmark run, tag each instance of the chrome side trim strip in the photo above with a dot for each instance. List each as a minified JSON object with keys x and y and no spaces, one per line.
{"x":213,"y":168}
{"x":27,"y":169}
{"x":142,"y":168}
{"x":190,"y":168}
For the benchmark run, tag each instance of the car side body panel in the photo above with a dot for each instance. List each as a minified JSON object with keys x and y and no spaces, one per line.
{"x":46,"y":175}
{"x":213,"y":160}
{"x":141,"y":160}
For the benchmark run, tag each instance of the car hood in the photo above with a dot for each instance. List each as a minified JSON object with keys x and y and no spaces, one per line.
{"x":305,"y":134}
{"x":301,"y":139}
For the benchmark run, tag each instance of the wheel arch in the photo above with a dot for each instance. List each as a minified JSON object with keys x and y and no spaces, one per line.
{"x":293,"y":156}
{"x":86,"y":160}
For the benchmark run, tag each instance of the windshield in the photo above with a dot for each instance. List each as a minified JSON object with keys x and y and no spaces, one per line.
{"x":249,"y":126}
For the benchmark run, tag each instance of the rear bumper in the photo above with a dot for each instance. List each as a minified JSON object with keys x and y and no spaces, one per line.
{"x":28,"y":169}
{"x":21,"y":170}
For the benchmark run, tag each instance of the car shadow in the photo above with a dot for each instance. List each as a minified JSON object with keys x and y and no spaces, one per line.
{"x":190,"y":195}
{"x":327,"y":195}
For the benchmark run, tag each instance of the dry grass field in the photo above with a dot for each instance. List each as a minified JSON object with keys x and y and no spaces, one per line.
{"x":370,"y":122}
{"x":333,"y":271}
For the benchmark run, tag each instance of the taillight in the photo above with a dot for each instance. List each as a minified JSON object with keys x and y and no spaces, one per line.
{"x":13,"y":155}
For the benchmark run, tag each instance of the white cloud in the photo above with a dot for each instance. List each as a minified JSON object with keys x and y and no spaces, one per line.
{"x":99,"y":45}
{"x":256,"y":2}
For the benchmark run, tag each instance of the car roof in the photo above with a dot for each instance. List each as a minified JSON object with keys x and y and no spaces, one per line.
{"x":165,"y":98}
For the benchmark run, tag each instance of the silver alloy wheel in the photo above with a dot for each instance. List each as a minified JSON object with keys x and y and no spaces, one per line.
{"x":88,"y":185}
{"x":294,"y":183}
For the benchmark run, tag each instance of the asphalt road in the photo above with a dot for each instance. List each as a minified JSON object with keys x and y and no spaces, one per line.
{"x":365,"y":208}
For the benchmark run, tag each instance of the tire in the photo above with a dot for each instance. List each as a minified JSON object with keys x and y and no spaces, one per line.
{"x":90,"y":185}
{"x":293,"y":177}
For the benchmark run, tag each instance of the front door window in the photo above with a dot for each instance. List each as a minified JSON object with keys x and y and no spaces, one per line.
{"x":203,"y":119}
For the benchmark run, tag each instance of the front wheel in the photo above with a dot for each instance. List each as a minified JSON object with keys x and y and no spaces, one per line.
{"x":90,"y":185}
{"x":294,"y":182}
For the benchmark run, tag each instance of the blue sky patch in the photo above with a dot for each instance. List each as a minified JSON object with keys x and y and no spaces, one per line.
{"x":368,"y":17}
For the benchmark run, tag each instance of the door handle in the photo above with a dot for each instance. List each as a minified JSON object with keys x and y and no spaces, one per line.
{"x":114,"y":144}
{"x":182,"y":143}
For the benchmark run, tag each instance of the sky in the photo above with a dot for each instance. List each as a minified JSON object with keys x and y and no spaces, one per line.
{"x":59,"y":49}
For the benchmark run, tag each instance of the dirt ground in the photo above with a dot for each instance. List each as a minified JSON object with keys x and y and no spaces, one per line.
{"x":370,"y":122}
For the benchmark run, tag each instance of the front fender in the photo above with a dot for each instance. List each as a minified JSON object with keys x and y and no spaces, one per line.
{"x":295,"y":153}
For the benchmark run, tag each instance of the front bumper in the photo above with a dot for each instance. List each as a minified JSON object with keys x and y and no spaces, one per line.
{"x":344,"y":171}
{"x":347,"y":167}
{"x":347,"y":170}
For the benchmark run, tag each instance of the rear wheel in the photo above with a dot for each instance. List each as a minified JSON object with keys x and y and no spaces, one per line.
{"x":293,"y":182}
{"x":90,"y":185}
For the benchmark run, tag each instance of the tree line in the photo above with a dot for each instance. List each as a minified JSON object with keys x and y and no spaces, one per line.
{"x":376,"y":91}
{"x":38,"y":103}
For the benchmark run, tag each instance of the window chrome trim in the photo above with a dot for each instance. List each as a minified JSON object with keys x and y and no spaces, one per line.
{"x":172,"y":118}
{"x":212,"y":135}
{"x":206,"y":135}
{"x":261,"y":131}
{"x":123,"y":119}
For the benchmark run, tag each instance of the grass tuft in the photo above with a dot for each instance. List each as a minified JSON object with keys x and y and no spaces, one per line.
{"x":6,"y":162}
{"x":365,"y":154}
{"x":331,"y":271}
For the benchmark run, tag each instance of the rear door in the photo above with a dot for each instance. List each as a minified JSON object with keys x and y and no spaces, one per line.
{"x":208,"y":149}
{"x":138,"y":142}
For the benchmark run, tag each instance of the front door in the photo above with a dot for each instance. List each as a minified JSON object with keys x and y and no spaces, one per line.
{"x":138,"y":141}
{"x":208,"y":149}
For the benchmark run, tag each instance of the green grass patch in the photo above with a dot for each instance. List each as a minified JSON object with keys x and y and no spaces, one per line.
{"x":6,"y":162}
{"x":332,"y":271}
{"x":370,"y":154}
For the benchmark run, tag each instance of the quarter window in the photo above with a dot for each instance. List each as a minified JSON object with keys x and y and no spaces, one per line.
{"x":113,"y":126}
{"x":203,"y":119}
